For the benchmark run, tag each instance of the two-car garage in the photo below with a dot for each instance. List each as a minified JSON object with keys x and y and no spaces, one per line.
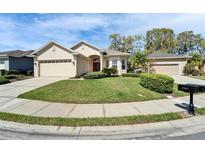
{"x":62,"y":67}
{"x":169,"y":64}
{"x":167,"y":68}
{"x":54,"y":60}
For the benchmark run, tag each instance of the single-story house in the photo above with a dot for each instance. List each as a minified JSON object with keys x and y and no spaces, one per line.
{"x":16,"y":60}
{"x":53,"y":59}
{"x":170,"y":64}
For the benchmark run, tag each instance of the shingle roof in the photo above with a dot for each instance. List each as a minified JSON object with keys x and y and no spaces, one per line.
{"x":86,"y":43}
{"x":16,"y":53}
{"x":159,"y":55}
{"x":114,"y":53}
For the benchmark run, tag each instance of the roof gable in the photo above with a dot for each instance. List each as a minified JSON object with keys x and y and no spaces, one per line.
{"x":50,"y":44}
{"x":85,"y":43}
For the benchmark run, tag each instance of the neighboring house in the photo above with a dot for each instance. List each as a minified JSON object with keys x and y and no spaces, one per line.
{"x":16,"y":60}
{"x":169,"y":64}
{"x":53,"y":59}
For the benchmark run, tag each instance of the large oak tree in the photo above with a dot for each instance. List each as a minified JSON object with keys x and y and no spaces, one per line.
{"x":187,"y":42}
{"x":130,"y":43}
{"x":160,"y":39}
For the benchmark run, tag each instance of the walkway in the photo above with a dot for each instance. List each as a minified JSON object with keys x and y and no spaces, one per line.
{"x":185,"y":79}
{"x":16,"y":88}
{"x":49,"y":109}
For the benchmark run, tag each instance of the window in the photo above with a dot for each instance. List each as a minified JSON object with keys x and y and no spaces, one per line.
{"x":114,"y":63}
{"x":2,"y":61}
{"x":107,"y":63}
{"x":57,"y":61}
{"x":123,"y":64}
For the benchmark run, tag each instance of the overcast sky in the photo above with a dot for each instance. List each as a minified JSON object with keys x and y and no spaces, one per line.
{"x":30,"y":31}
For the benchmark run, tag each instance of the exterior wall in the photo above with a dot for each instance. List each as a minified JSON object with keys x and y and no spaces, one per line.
{"x":4,"y":66}
{"x":83,"y":65}
{"x":23,"y":63}
{"x":87,"y":51}
{"x":170,"y":69}
{"x":36,"y":67}
{"x":55,"y":53}
{"x":119,"y":63}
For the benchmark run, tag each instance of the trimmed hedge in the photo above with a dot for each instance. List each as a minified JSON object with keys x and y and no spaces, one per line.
{"x":157,"y":82}
{"x":134,"y":75}
{"x":29,"y":72}
{"x":3,"y":80}
{"x":94,"y":75}
{"x":15,"y":72}
{"x":2,"y":72}
{"x":109,"y":71}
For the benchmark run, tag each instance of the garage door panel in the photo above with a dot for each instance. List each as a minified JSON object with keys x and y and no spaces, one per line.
{"x":57,"y":69}
{"x":170,"y":69}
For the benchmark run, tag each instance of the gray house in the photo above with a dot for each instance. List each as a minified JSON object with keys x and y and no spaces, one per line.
{"x":16,"y":60}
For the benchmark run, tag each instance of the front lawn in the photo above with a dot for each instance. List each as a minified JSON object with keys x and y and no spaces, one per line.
{"x":199,"y":77}
{"x":177,"y":93}
{"x":106,"y":90}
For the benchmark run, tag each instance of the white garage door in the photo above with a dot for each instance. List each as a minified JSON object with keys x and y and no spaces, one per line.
{"x":57,"y":68}
{"x":169,"y":69}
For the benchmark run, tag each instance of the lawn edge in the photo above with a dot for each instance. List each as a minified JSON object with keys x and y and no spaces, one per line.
{"x":104,"y":121}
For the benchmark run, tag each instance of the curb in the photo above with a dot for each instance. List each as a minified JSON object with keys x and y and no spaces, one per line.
{"x":159,"y":130}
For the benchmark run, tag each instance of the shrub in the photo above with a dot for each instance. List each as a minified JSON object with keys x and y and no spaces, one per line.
{"x":2,"y":72}
{"x":110,"y":71}
{"x":10,"y":77}
{"x":196,"y":72}
{"x":202,"y":73}
{"x":135,"y":75}
{"x":29,"y":72}
{"x":3,"y":80}
{"x":94,"y":75}
{"x":157,"y":82}
{"x":188,"y":69}
{"x":15,"y":72}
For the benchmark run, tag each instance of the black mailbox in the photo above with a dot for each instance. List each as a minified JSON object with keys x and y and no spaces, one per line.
{"x":191,"y":88}
{"x":188,"y":88}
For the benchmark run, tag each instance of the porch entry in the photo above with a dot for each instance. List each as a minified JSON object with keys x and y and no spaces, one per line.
{"x":96,"y":64}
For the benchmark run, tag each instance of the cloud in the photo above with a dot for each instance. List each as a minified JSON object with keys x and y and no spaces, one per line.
{"x":77,"y":22}
{"x":30,"y":31}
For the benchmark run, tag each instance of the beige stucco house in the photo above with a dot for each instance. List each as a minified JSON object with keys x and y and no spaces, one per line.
{"x":169,"y":64}
{"x":53,"y":59}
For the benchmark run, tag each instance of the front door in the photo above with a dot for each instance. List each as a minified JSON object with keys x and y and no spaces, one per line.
{"x":96,"y":65}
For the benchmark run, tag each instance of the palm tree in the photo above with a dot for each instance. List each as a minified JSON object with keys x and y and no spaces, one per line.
{"x":139,"y":60}
{"x":196,"y":60}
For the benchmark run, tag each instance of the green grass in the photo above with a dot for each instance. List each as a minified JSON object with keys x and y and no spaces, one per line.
{"x":106,"y":90}
{"x":139,"y":119}
{"x":177,"y":93}
{"x":199,"y":77}
{"x":3,"y":80}
{"x":200,"y":111}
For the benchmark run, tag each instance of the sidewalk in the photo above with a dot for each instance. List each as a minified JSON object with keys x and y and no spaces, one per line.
{"x":49,"y":109}
{"x":160,"y":130}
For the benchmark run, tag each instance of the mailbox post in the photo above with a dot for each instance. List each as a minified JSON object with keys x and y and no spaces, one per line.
{"x":191,"y":104}
{"x":191,"y":88}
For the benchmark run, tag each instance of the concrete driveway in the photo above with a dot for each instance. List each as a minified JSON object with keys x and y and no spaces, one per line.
{"x":16,"y":88}
{"x":185,"y":79}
